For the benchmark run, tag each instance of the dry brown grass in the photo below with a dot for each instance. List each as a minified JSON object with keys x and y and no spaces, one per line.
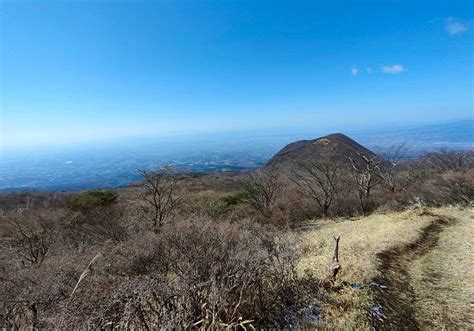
{"x":443,"y":279}
{"x":361,"y":240}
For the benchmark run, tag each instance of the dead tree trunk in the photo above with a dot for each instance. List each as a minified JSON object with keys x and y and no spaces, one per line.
{"x":335,"y":266}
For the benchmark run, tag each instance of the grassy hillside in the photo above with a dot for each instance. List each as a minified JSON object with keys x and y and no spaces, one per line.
{"x":441,"y":277}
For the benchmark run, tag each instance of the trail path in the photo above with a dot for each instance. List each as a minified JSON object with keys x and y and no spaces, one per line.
{"x":395,"y":298}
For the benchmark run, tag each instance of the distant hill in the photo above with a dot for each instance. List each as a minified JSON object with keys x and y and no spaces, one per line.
{"x":336,"y":145}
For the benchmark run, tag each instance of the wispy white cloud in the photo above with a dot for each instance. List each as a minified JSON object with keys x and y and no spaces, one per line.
{"x":393,"y":69}
{"x":385,"y":69}
{"x":354,"y":71}
{"x":454,"y":26}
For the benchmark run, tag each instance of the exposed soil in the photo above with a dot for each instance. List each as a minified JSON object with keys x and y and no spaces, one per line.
{"x":394,"y":297}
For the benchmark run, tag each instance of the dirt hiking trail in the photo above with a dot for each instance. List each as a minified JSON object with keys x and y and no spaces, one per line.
{"x":394,"y":298}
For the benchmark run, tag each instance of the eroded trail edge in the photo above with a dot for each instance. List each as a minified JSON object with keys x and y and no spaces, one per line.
{"x":394,"y":298}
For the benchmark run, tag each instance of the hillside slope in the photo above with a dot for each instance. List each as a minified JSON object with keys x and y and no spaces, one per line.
{"x":337,"y":145}
{"x":412,"y":268}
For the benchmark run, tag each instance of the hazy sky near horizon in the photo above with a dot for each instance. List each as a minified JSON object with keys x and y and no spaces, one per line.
{"x":80,"y":70}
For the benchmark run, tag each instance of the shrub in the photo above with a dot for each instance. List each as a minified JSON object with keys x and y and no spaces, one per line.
{"x":205,"y":275}
{"x":93,"y":217}
{"x":92,"y":199}
{"x":211,"y":205}
{"x":95,"y":225}
{"x":226,"y":203}
{"x":455,"y":187}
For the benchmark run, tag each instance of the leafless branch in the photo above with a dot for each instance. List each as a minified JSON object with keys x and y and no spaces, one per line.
{"x":159,"y":196}
{"x":319,"y":180}
{"x":262,"y":189}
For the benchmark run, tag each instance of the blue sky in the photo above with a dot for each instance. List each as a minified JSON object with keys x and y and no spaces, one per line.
{"x":74,"y":71}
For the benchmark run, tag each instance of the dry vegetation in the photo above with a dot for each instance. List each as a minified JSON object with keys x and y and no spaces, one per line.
{"x":227,"y":250}
{"x":444,"y":278}
{"x":449,"y":265}
{"x":361,"y":240}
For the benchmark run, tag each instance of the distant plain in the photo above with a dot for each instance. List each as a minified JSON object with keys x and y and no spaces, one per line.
{"x":115,"y":163}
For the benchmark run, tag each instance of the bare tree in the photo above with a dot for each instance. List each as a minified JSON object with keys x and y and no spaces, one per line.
{"x":363,"y":173}
{"x":451,"y":160}
{"x":262,"y":190}
{"x":159,"y":198}
{"x":319,"y":180}
{"x":456,"y":187}
{"x":395,"y":173}
{"x":30,"y":238}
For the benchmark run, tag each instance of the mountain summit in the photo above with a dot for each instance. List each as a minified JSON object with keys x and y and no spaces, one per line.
{"x":336,"y":146}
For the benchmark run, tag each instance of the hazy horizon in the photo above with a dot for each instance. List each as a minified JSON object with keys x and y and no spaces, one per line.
{"x":115,"y":162}
{"x":303,"y":132}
